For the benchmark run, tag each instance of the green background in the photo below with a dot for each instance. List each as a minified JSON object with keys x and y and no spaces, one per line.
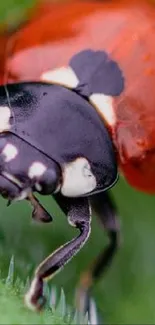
{"x":126,"y":295}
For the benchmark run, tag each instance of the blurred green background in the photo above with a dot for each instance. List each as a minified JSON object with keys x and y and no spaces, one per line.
{"x":127,"y":293}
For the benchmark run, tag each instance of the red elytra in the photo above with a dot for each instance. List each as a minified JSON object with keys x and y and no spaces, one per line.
{"x":126,"y":30}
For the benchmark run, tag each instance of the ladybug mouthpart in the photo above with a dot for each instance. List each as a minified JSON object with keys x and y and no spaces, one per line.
{"x":9,"y":187}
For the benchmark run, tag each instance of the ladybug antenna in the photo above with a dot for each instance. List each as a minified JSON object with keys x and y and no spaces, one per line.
{"x":9,"y":47}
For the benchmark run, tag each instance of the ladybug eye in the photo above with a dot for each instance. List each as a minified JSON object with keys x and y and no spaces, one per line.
{"x":49,"y":182}
{"x":46,"y":179}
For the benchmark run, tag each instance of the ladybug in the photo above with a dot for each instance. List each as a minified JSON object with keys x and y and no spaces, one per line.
{"x":77,"y":105}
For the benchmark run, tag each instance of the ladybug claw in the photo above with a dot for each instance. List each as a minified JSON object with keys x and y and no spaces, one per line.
{"x":86,"y":305}
{"x":39,"y":213}
{"x":93,"y":316}
{"x":34,"y":298}
{"x":9,"y":203}
{"x":33,"y":304}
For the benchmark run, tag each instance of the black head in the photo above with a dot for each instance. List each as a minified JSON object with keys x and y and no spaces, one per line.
{"x":24,"y":169}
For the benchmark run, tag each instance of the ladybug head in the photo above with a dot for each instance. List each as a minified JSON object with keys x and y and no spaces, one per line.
{"x":24,"y":169}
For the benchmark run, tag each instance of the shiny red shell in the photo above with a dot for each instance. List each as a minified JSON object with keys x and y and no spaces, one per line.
{"x":126,"y":30}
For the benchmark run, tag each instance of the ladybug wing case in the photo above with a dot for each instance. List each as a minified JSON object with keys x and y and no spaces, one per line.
{"x":62,"y":124}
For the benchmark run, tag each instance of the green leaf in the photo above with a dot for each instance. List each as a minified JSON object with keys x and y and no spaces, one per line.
{"x":61,"y":307}
{"x":10,"y":277}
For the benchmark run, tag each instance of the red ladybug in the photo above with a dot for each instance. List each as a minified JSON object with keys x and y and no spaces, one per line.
{"x":126,"y":31}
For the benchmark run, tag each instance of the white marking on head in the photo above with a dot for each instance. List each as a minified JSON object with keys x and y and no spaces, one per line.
{"x":37,"y":169}
{"x":64,"y":76}
{"x":104,"y":105}
{"x":78,"y":178}
{"x":10,"y":152}
{"x":23,"y":194}
{"x":12,"y":178}
{"x":5,"y":114}
{"x":38,"y":187}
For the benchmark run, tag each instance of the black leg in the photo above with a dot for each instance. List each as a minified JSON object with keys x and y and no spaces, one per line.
{"x":106,"y":211}
{"x":78,"y":214}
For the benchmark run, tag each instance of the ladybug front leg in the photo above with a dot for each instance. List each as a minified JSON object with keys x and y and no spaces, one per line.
{"x":78,"y":213}
{"x":106,"y":211}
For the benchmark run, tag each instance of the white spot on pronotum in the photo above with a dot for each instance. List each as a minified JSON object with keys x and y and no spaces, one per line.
{"x":12,"y":178}
{"x":63,"y":76}
{"x":10,"y":152}
{"x":5,"y":114}
{"x":104,"y":105}
{"x":37,"y":169}
{"x":78,"y":178}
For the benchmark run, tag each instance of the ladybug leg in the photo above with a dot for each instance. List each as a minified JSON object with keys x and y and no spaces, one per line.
{"x":106,"y":211}
{"x":78,"y":213}
{"x":39,"y":213}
